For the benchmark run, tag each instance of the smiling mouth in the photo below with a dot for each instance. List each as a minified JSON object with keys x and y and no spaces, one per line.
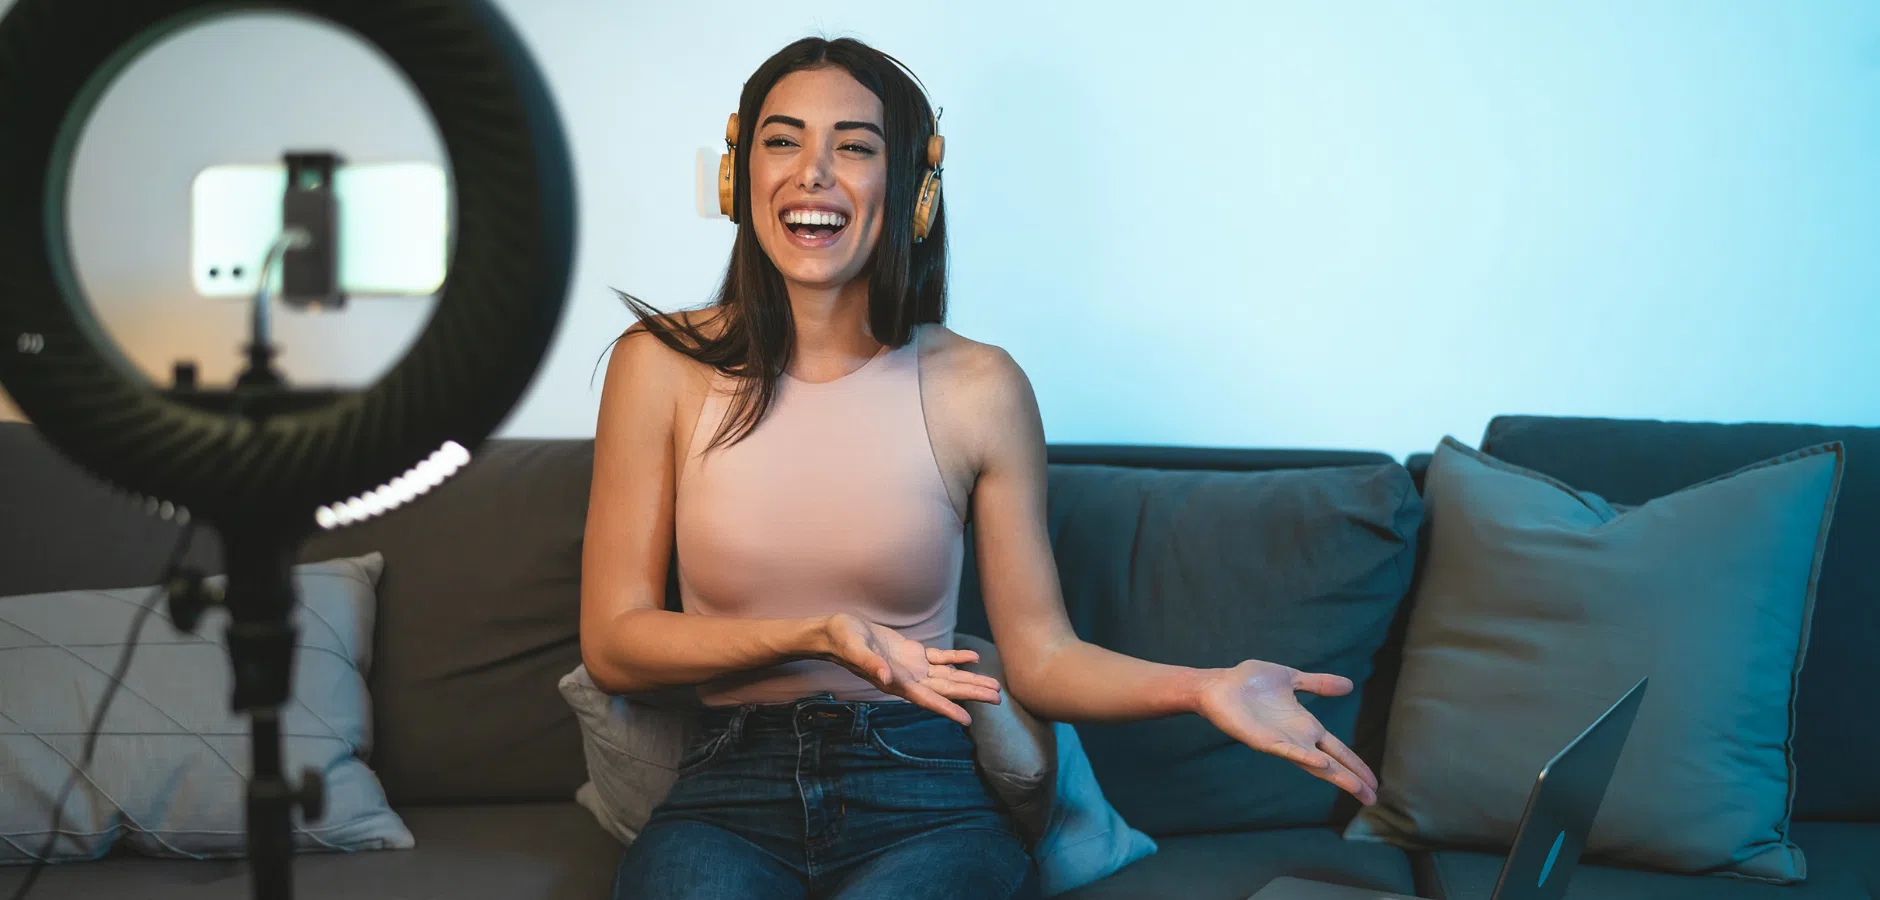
{"x":814,"y":227}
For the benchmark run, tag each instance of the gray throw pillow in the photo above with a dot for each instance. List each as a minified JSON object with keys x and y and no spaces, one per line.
{"x":632,"y":750}
{"x":170,"y":772}
{"x":1540,"y":604}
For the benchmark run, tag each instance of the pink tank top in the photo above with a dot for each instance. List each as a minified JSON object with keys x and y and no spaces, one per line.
{"x":834,"y":503}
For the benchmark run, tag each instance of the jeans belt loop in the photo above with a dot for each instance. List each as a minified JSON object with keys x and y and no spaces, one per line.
{"x":858,"y":729}
{"x":735,"y":732}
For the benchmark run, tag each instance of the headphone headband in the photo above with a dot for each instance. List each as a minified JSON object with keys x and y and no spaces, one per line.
{"x":926,"y":199}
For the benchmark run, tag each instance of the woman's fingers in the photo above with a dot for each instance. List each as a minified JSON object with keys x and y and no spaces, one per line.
{"x":862,"y":659}
{"x":963,"y":690}
{"x":936,"y":689}
{"x":1322,"y":684}
{"x":1259,"y":735}
{"x":924,"y":696}
{"x":1333,"y":764}
{"x":1345,"y":757}
{"x":940,"y":657}
{"x":1346,"y":780}
{"x":1304,"y":757}
{"x":962,"y":676}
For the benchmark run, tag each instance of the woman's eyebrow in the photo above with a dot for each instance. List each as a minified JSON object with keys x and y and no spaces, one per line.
{"x":794,"y":122}
{"x":864,"y":126}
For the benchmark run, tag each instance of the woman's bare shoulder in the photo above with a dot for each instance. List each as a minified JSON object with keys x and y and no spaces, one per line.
{"x":648,"y":355}
{"x":646,"y":375}
{"x":974,"y":371}
{"x":709,"y":321}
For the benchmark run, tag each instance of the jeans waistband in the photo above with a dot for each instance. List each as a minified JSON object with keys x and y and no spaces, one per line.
{"x":818,"y":713}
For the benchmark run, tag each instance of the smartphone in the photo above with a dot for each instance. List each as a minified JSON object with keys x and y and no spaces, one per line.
{"x":394,"y":227}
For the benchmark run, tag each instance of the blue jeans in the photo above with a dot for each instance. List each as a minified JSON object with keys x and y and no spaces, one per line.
{"x":828,"y":799}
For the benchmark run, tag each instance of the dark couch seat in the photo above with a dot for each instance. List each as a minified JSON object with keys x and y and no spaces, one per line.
{"x":554,"y":851}
{"x":1843,"y":863}
{"x":1232,"y":866}
{"x":543,"y":851}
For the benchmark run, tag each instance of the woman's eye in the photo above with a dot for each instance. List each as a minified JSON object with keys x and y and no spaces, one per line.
{"x":859,"y":148}
{"x":778,"y":142}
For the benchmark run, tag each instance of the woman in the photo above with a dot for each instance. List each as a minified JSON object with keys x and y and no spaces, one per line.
{"x":812,"y":445}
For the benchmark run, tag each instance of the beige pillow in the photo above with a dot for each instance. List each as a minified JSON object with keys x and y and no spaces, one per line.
{"x":1017,"y":752}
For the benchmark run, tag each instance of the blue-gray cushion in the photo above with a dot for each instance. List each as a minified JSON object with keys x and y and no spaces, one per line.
{"x":170,"y":771}
{"x":1304,"y":567}
{"x":1040,"y":772}
{"x":1631,"y":461}
{"x":1085,"y":839}
{"x":1540,"y":604}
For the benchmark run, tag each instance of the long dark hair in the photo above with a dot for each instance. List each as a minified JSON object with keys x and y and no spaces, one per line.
{"x":907,"y":282}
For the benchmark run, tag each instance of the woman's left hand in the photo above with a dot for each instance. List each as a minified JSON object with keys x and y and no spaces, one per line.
{"x":1254,"y":703}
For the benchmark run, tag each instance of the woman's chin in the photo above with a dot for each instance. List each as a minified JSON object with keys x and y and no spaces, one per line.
{"x":816,"y":277}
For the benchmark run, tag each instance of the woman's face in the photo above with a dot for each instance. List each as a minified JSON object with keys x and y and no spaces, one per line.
{"x":819,"y":176}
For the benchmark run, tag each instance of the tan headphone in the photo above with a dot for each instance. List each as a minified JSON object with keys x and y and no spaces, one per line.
{"x":926,"y":202}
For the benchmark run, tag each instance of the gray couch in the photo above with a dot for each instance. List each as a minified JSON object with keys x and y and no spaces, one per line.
{"x":477,"y":621}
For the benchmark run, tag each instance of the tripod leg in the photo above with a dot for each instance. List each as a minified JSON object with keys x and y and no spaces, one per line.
{"x":261,"y":639}
{"x":270,"y":811}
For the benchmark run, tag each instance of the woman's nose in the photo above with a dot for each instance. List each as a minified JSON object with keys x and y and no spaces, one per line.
{"x":817,"y":172}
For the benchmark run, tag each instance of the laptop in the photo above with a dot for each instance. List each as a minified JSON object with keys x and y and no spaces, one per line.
{"x":1553,"y":829}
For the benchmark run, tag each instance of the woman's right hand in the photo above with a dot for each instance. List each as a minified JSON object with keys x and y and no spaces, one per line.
{"x":922,"y":675}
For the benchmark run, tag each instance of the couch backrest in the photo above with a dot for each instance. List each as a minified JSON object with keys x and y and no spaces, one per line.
{"x":1210,"y":557}
{"x":477,"y":616}
{"x":63,"y":530}
{"x":1837,"y":734}
{"x":479,"y":605}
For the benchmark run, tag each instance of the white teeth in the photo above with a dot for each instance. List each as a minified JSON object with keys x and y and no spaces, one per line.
{"x":815,"y":217}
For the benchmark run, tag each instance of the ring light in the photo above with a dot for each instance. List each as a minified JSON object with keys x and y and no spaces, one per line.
{"x":259,"y":459}
{"x":496,"y":315}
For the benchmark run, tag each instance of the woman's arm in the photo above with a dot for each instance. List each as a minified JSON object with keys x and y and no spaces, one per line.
{"x":1060,"y":677}
{"x":1047,"y":667}
{"x":630,"y":643}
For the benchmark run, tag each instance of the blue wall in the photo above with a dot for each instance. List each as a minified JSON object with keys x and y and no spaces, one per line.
{"x":1371,"y":224}
{"x":1355,"y":224}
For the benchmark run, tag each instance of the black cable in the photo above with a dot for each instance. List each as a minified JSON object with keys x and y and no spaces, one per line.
{"x":104,"y":703}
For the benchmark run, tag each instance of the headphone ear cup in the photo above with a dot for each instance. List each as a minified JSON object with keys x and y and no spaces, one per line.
{"x":728,"y":171}
{"x":728,"y":186}
{"x":926,"y":205}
